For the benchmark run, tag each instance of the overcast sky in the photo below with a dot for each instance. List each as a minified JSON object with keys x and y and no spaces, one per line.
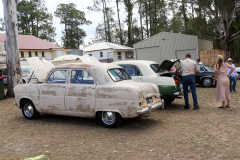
{"x":82,"y":6}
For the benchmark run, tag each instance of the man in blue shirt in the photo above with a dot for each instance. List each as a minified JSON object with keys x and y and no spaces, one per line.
{"x":233,"y":76}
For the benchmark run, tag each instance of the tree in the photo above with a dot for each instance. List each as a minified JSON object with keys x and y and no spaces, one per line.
{"x":1,"y":24}
{"x":34,"y":19}
{"x":72,"y":19}
{"x":14,"y":75}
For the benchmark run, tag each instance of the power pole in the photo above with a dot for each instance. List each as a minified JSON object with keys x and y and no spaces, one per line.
{"x":14,"y":75}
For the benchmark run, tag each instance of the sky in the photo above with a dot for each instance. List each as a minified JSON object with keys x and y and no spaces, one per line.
{"x":82,"y":5}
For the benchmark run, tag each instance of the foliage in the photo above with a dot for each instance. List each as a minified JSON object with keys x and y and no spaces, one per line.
{"x":72,"y":19}
{"x":33,"y":18}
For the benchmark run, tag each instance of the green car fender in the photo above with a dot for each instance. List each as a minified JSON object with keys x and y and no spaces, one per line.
{"x":167,"y":91}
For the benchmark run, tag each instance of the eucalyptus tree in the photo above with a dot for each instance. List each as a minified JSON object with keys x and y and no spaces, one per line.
{"x":72,"y":19}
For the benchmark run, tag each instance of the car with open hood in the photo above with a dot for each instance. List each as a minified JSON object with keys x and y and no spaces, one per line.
{"x":94,"y":90}
{"x":151,"y":72}
{"x":205,"y":77}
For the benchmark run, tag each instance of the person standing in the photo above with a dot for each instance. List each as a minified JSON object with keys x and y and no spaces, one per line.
{"x":199,"y":62}
{"x":189,"y":69}
{"x":223,"y":92}
{"x":233,"y":76}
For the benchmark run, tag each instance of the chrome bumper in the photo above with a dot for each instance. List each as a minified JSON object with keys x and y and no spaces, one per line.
{"x":179,"y":93}
{"x":151,"y":107}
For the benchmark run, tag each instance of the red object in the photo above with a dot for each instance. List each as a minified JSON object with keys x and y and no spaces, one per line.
{"x":173,"y":69}
{"x":176,"y":81}
{"x":2,"y":77}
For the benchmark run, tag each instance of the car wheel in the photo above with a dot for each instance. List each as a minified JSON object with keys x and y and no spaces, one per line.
{"x":110,"y":119}
{"x":169,"y":100}
{"x":207,"y":82}
{"x":238,"y":77}
{"x":28,"y":110}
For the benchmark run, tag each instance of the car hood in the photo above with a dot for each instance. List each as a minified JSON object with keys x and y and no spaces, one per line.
{"x":41,"y":67}
{"x":166,"y":65}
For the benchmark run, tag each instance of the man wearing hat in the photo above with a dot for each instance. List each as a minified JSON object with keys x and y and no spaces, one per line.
{"x":233,"y":76}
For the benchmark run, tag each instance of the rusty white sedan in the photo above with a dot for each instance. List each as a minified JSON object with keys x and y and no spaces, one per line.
{"x":93,"y":90}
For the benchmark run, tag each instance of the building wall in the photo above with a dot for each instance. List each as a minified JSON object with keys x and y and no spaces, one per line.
{"x":165,"y":45}
{"x":204,"y":44}
{"x":96,"y":54}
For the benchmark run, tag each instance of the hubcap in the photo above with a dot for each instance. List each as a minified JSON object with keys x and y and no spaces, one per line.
{"x":28,"y":110}
{"x":207,"y":82}
{"x":108,"y":117}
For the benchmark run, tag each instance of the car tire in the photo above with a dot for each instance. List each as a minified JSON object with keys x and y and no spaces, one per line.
{"x":110,"y":119}
{"x":169,"y":100}
{"x":207,"y":82}
{"x":28,"y":110}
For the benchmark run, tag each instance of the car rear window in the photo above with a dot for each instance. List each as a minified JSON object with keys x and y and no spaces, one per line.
{"x":154,"y":67}
{"x":118,"y":74}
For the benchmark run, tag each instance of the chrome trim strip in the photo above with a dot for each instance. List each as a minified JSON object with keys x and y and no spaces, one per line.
{"x":151,"y":107}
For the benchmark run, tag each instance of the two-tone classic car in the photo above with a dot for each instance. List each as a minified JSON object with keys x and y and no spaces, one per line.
{"x":93,"y":90}
{"x":151,"y":72}
{"x":205,"y":77}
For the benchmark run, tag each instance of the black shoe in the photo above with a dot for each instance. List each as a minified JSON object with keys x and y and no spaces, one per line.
{"x":234,"y":90}
{"x":196,"y":107}
{"x":186,"y":107}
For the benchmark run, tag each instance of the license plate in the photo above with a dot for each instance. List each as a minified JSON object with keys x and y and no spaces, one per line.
{"x":149,"y":100}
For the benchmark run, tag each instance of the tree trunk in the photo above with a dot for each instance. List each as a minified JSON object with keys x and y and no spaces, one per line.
{"x":146,"y":10}
{"x":129,"y":23}
{"x":140,"y":12}
{"x":14,"y":75}
{"x":150,"y":17}
{"x":119,"y":23}
{"x":184,"y":16}
{"x":104,"y":19}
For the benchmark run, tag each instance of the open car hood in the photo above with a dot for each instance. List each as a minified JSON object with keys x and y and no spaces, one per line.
{"x":41,"y":67}
{"x":166,"y":65}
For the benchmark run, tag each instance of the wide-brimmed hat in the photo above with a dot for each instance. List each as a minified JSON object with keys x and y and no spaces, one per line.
{"x":230,"y":59}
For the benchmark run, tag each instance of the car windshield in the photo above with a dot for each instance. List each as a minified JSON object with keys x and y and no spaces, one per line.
{"x":154,"y":67}
{"x":118,"y":74}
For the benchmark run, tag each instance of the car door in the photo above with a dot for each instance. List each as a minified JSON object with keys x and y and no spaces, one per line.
{"x":80,"y":93}
{"x":201,"y":74}
{"x":133,"y":71}
{"x":52,"y":92}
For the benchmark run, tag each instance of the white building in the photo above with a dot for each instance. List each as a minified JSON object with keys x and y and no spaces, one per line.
{"x":167,"y":45}
{"x":109,"y":52}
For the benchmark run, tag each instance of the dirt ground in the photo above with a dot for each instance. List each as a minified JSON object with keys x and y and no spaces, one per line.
{"x":171,"y":133}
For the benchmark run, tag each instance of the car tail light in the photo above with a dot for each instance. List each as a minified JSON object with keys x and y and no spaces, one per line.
{"x":176,"y":81}
{"x":140,"y":103}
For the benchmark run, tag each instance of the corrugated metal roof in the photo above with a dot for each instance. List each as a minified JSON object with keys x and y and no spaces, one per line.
{"x":29,"y":42}
{"x":104,"y":46}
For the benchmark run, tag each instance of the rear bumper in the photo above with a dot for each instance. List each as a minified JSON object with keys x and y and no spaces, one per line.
{"x":151,"y":107}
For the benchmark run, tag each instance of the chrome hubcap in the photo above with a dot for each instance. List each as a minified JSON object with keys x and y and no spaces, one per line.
{"x":28,"y":110}
{"x":207,"y":82}
{"x":108,"y":117}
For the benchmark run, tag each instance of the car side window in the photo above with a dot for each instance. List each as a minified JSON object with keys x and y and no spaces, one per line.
{"x":81,"y":77}
{"x":132,"y":70}
{"x":59,"y":76}
{"x":201,"y":68}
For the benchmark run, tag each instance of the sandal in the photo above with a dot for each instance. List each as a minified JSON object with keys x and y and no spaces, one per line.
{"x":221,"y":107}
{"x":228,"y":106}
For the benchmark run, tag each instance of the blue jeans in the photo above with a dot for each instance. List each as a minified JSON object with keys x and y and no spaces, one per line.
{"x":189,"y":81}
{"x":234,"y":81}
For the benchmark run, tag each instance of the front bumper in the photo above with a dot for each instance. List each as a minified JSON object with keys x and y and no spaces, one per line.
{"x":151,"y":107}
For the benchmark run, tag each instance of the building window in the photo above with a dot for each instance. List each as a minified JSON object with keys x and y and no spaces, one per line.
{"x":101,"y":54}
{"x":129,"y":55}
{"x":22,"y":54}
{"x":36,"y":53}
{"x":29,"y":54}
{"x":43,"y":54}
{"x":119,"y":55}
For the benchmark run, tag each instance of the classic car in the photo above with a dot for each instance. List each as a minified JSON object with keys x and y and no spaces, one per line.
{"x":149,"y":72}
{"x":94,"y":90}
{"x":205,"y":77}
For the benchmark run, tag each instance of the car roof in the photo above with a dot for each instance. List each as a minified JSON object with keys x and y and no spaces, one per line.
{"x":88,"y":65}
{"x":135,"y":62}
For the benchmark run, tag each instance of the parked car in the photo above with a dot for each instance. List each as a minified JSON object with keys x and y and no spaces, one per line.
{"x":94,"y":90}
{"x":238,"y":72}
{"x":147,"y":71}
{"x":205,"y":77}
{"x":27,"y":74}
